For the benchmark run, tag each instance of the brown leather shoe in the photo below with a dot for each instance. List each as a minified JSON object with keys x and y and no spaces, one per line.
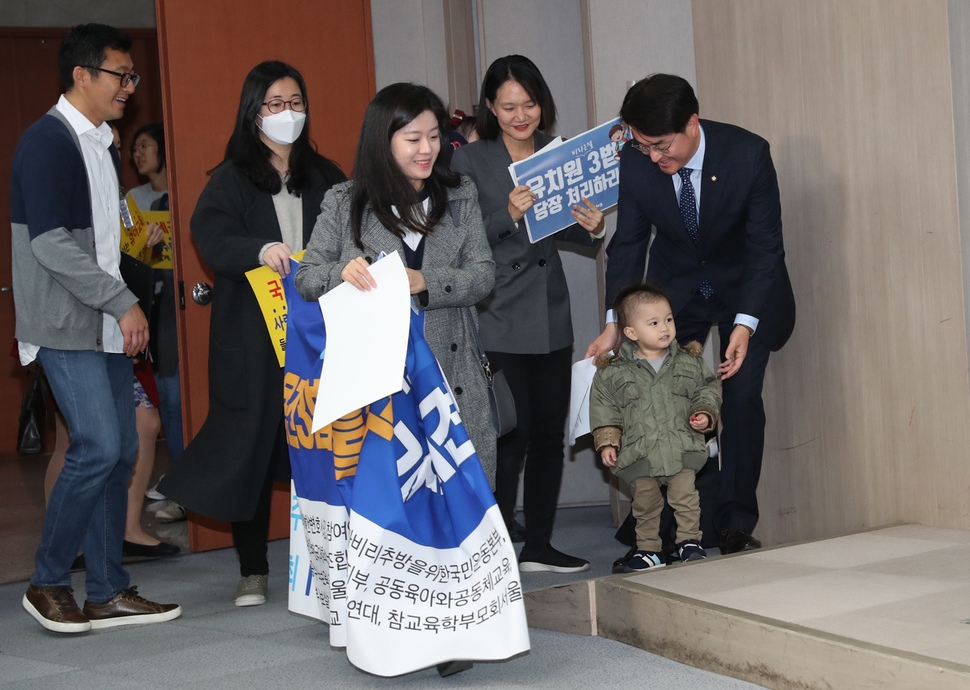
{"x":55,"y":609}
{"x":127,"y":608}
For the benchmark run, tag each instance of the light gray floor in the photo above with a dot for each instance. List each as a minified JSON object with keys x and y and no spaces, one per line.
{"x":904,"y":587}
{"x":216,"y":645}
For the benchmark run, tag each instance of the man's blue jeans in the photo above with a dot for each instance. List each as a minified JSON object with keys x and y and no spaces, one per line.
{"x":89,"y":500}
{"x":170,"y":409}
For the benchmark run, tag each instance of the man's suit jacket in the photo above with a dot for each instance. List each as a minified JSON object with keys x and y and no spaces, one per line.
{"x":740,"y":250}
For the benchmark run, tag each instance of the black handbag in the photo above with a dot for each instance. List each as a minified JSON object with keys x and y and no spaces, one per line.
{"x":500,"y":399}
{"x":33,"y":414}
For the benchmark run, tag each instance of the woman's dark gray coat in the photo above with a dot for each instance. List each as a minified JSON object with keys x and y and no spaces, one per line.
{"x":223,"y":468}
{"x":459,"y":271}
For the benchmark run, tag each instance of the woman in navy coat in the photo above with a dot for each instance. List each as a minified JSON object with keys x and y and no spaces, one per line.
{"x":258,"y":207}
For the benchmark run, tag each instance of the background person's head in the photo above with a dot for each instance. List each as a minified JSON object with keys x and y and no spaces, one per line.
{"x":247,"y":147}
{"x":148,"y":149}
{"x":524,"y":105}
{"x":246,"y":133}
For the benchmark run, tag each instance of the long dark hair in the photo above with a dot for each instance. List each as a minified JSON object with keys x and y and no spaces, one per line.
{"x":247,"y":151}
{"x":520,"y":69}
{"x":379,"y":181}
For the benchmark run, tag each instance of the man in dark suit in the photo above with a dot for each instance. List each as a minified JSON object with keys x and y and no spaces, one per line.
{"x":711,"y":192}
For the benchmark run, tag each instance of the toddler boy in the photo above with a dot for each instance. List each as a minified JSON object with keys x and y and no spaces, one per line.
{"x":650,"y":407}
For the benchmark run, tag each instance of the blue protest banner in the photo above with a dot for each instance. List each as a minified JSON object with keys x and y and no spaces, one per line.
{"x":405,"y":553}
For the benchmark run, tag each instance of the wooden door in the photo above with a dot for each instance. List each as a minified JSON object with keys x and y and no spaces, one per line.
{"x":206,"y":50}
{"x":30,"y":58}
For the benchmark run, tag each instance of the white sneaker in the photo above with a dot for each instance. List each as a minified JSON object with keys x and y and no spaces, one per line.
{"x":251,"y":590}
{"x":172,"y":512}
{"x":152,"y":493}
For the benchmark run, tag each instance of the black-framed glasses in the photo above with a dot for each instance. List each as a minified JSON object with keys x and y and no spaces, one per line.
{"x":126,"y":77}
{"x":278,"y":105}
{"x":647,"y":150}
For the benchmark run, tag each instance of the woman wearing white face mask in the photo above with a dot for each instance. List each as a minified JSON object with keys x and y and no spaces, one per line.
{"x":258,"y":208}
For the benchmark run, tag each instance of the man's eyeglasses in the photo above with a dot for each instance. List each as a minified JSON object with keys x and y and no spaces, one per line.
{"x":126,"y":77}
{"x":646,"y":150}
{"x":278,"y":105}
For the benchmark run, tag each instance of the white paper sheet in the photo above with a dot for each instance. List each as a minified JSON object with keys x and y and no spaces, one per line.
{"x":367,"y":342}
{"x":582,"y":381}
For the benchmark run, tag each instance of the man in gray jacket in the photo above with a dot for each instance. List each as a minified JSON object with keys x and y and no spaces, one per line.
{"x":76,"y":316}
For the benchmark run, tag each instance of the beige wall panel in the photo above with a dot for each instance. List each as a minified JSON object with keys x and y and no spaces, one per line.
{"x":409,"y":44}
{"x":550,"y":33}
{"x":959,"y":17}
{"x":619,"y":52}
{"x":868,"y":404}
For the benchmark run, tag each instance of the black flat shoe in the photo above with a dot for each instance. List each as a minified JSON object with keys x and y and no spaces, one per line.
{"x":160,"y":550}
{"x":516,"y":532}
{"x":621,"y":561}
{"x":734,"y":540}
{"x":450,"y":668}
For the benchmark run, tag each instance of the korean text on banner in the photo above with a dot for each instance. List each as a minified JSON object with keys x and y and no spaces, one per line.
{"x":587,"y":165}
{"x":268,"y":288}
{"x":405,"y":554}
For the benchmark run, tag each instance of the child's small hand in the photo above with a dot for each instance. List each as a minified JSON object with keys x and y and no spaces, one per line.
{"x":609,"y":456}
{"x":700,"y":421}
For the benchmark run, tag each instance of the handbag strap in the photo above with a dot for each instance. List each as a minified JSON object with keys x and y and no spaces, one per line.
{"x":482,"y":357}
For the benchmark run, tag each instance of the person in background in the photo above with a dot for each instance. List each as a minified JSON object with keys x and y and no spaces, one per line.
{"x":148,"y":155}
{"x":460,"y":131}
{"x":526,"y":328}
{"x":76,"y":316}
{"x":257,"y":209}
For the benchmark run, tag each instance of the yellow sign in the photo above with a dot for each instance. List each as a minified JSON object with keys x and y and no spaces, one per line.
{"x":135,"y":238}
{"x":268,"y":287}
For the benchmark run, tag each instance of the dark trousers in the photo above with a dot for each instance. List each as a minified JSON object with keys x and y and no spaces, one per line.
{"x":540,"y":387}
{"x":250,"y":537}
{"x":742,"y":413}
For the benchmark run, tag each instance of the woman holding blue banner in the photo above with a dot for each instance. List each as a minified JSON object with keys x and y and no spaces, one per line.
{"x":404,"y":197}
{"x":415,"y":497}
{"x":526,"y":328}
{"x":257,"y":209}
